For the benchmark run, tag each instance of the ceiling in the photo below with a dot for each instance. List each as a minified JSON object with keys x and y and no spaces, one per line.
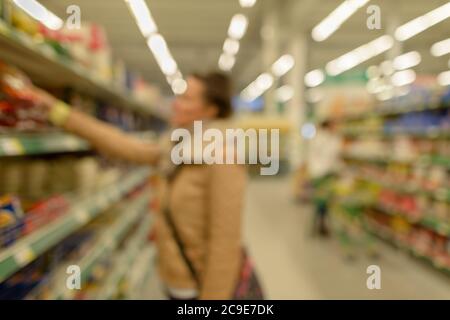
{"x":195,"y":31}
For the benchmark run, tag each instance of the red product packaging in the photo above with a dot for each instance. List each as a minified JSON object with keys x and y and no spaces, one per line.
{"x":44,"y":212}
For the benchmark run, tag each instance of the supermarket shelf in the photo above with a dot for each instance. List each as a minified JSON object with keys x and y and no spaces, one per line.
{"x":390,"y":111}
{"x":27,"y":249}
{"x":105,"y":245}
{"x":47,"y":143}
{"x":139,"y":273}
{"x":44,"y":66}
{"x":423,"y":160}
{"x":150,"y":271}
{"x":432,"y":224}
{"x":413,"y":252}
{"x":122,"y":263}
{"x":42,"y":143}
{"x":441,"y":228}
{"x":440,"y":194}
{"x":428,"y":134}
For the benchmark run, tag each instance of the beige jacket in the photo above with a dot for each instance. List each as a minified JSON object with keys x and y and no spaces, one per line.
{"x":206,"y":204}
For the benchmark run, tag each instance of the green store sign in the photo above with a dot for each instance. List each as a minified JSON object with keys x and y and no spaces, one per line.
{"x":357,"y":76}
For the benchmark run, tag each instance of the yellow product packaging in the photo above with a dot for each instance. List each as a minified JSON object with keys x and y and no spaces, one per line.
{"x":24,"y":22}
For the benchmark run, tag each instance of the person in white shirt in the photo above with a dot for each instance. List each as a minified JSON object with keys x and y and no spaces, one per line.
{"x":323,"y":164}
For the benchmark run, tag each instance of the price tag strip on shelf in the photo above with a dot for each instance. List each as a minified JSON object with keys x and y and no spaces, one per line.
{"x":24,"y":256}
{"x":82,"y":216}
{"x":11,"y":147}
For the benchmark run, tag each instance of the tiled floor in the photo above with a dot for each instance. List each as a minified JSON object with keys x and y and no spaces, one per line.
{"x":293,"y":265}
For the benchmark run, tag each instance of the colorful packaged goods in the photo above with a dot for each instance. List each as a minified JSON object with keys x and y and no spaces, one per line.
{"x":19,"y":108}
{"x":11,"y":220}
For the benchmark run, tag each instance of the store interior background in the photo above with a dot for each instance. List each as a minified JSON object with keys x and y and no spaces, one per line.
{"x":393,"y":203}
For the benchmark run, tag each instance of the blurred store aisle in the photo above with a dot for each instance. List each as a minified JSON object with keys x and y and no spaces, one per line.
{"x":292,"y":265}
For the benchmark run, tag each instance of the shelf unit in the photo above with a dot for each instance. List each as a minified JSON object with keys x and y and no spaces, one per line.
{"x":140,"y":271}
{"x":425,"y":160}
{"x":429,"y":134}
{"x":82,"y":211}
{"x":121,"y":268}
{"x":47,"y":143}
{"x":427,"y":222}
{"x":388,"y":238}
{"x":40,"y":143}
{"x":106,"y":244}
{"x":389,"y":111}
{"x":440,"y":194}
{"x":377,"y":130}
{"x":46,"y":67}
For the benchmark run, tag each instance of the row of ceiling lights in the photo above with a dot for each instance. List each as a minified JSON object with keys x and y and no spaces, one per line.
{"x":237,"y":29}
{"x":439,"y":49}
{"x":365,"y":52}
{"x":157,"y":45}
{"x":265,"y":81}
{"x":146,"y":24}
{"x":40,"y":13}
{"x":320,"y":33}
{"x":380,"y":45}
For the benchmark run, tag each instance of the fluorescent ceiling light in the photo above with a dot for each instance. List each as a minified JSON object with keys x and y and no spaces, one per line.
{"x":386,"y":94}
{"x":247,"y":3}
{"x":375,"y":86}
{"x":359,"y":55}
{"x":226,"y":62}
{"x":440,"y":48}
{"x":336,"y":18}
{"x":402,"y":78}
{"x":283,"y":65}
{"x":143,"y":17}
{"x":238,"y":26}
{"x":250,"y":93}
{"x":157,"y":44}
{"x":179,"y":86}
{"x":264,"y":81}
{"x":40,"y":13}
{"x":161,"y":52}
{"x":387,"y":68}
{"x":420,"y":24}
{"x":444,"y":78}
{"x":171,"y":78}
{"x":373,"y":72}
{"x":168,"y":65}
{"x":407,"y":60}
{"x":257,"y":87}
{"x":231,"y":46}
{"x":284,"y":93}
{"x":314,"y":78}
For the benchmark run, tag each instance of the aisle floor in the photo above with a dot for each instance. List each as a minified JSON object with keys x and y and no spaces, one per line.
{"x":294,"y":265}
